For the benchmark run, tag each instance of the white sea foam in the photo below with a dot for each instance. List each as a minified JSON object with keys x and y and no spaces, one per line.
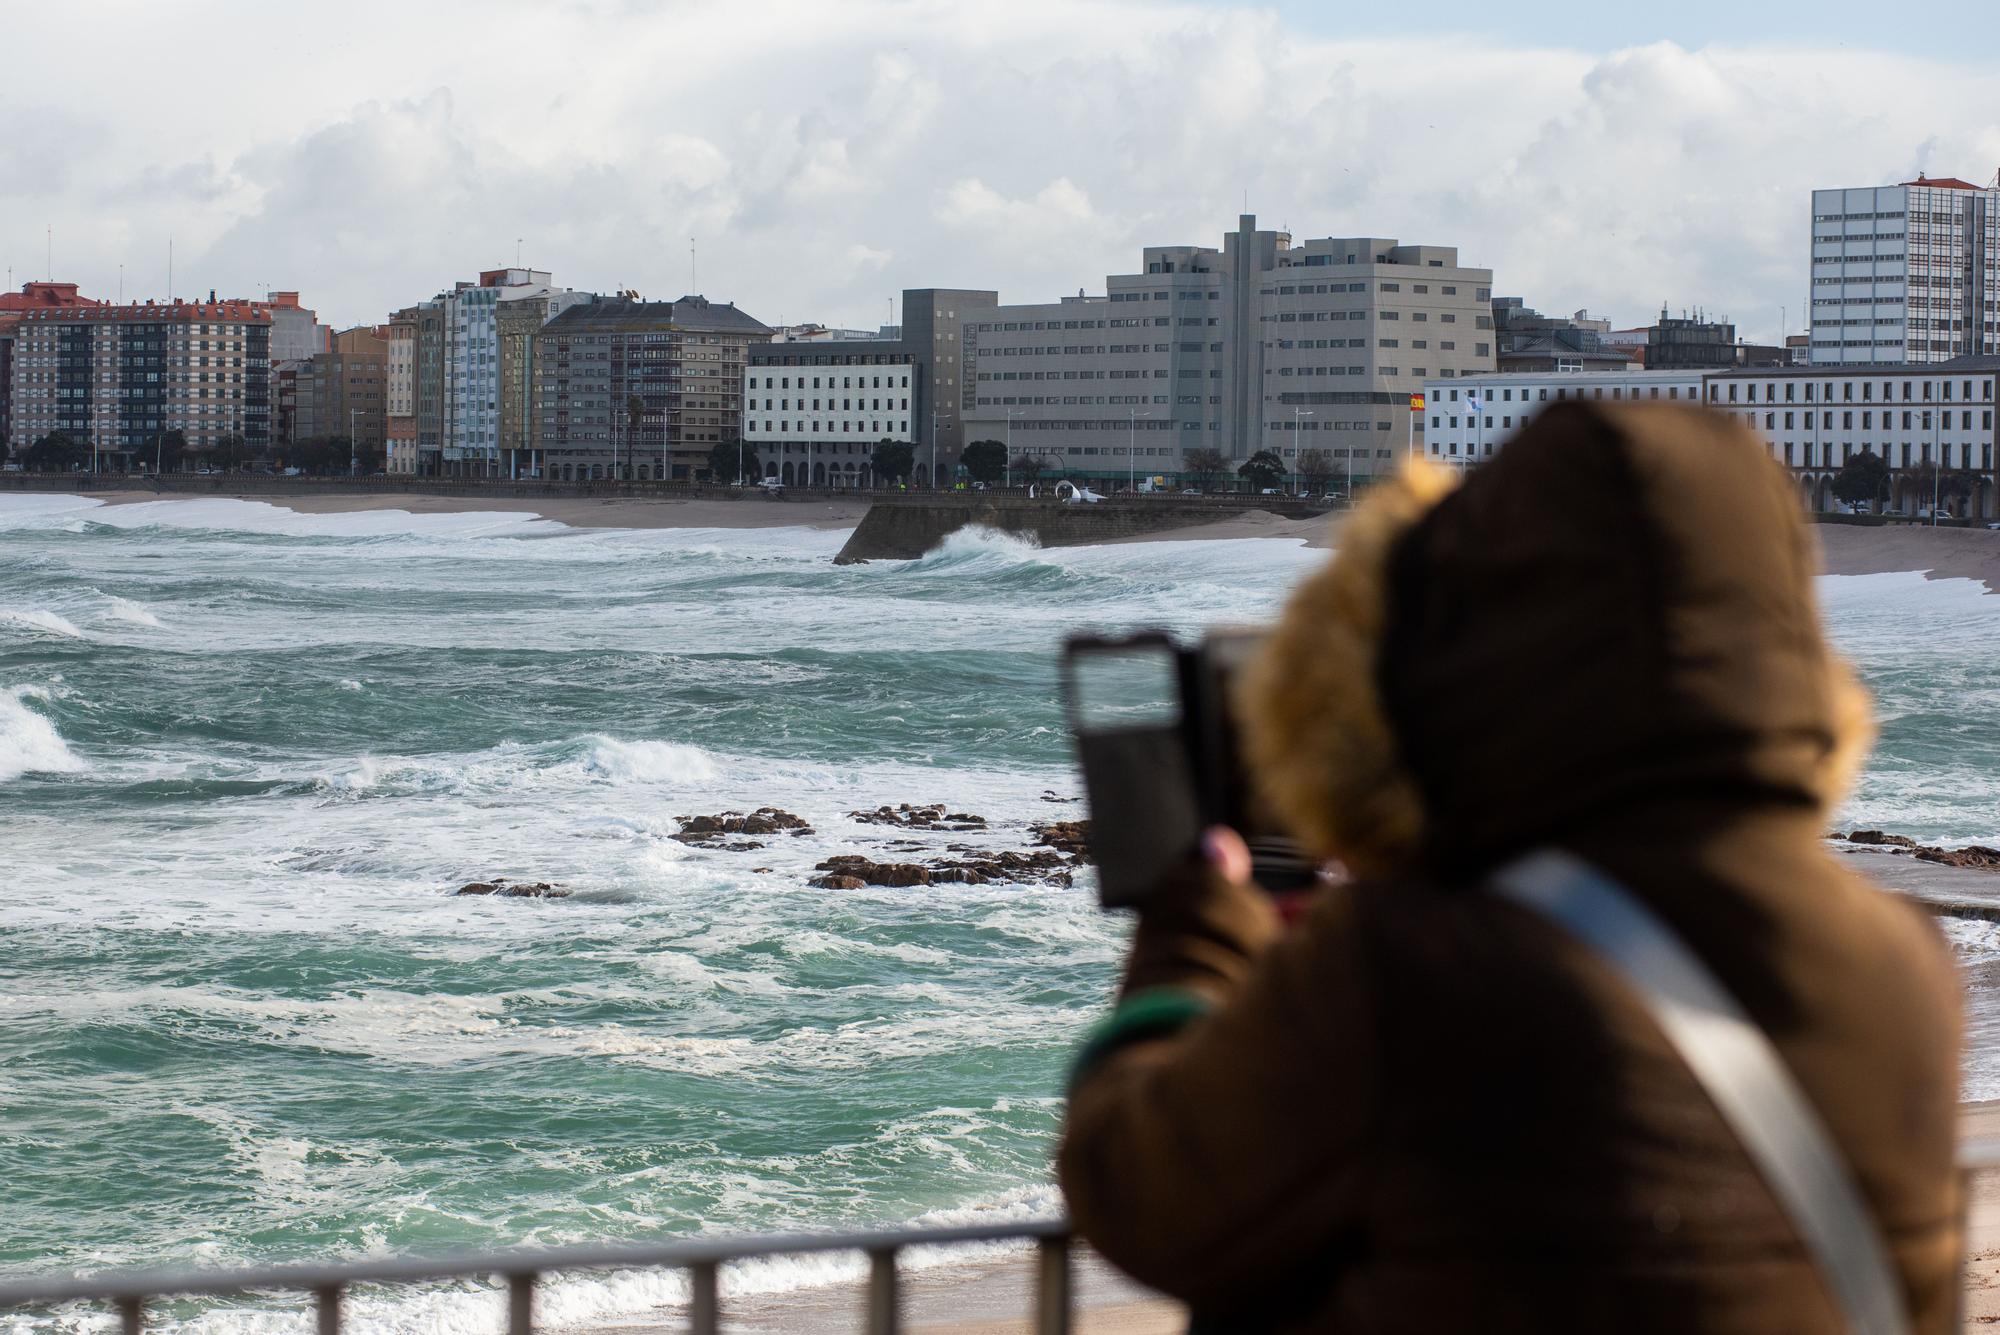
{"x":41,"y":620}
{"x":134,"y":613}
{"x":650,"y":762}
{"x":29,"y":742}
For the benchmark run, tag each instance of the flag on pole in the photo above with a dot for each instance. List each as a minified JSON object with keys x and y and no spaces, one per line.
{"x":1416,"y":403}
{"x":1472,"y":401}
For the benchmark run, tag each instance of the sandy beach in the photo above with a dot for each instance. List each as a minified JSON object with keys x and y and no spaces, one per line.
{"x":1847,"y":549}
{"x":580,"y":512}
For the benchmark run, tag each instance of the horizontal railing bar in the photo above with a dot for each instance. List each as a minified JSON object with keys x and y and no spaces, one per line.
{"x":135,"y":1284}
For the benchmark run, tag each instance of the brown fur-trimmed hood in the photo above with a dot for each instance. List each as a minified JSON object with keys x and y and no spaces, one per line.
{"x":1617,"y":610}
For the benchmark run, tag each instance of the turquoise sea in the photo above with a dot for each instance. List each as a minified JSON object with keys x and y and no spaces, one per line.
{"x":246,"y":754}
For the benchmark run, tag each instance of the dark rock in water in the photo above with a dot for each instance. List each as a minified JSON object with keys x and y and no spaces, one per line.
{"x":513,"y":889}
{"x":1877,"y":837}
{"x":1049,"y":795}
{"x":1066,"y":836}
{"x":868,"y":870}
{"x":837,"y":883}
{"x":986,"y":868}
{"x":907,"y":817}
{"x":712,"y":831}
{"x":1975,"y":856}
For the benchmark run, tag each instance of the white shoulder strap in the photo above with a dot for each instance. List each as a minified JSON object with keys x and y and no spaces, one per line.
{"x":1738,"y":1067}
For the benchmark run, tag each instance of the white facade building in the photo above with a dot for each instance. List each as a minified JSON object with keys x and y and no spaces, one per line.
{"x":1815,"y":418}
{"x":1469,"y":417}
{"x":1905,"y":273}
{"x":814,"y":412}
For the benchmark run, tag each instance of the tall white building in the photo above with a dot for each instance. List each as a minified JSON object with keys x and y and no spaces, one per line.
{"x":1905,"y":273}
{"x":460,"y":345}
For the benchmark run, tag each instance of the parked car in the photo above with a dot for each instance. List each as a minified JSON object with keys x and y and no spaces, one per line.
{"x":1190,"y":491}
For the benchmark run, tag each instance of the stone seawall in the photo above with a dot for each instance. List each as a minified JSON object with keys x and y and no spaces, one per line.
{"x":904,"y":529}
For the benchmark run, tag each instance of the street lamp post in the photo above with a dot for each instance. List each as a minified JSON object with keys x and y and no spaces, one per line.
{"x":353,"y":446}
{"x":1937,"y":460}
{"x":1007,"y":465}
{"x":1131,"y":448}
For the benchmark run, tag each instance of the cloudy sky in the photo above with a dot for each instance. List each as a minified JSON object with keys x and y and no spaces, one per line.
{"x":828,"y":153}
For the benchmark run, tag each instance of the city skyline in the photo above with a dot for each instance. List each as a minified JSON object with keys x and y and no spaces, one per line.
{"x":877,"y":146}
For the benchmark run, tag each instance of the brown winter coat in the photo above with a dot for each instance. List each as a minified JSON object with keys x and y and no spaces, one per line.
{"x":1423,"y":1109}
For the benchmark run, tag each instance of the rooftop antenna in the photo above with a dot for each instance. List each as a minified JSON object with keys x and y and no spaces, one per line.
{"x":170,"y":271}
{"x":517,"y":252}
{"x":121,"y":285}
{"x":49,"y":255}
{"x":692,"y":287}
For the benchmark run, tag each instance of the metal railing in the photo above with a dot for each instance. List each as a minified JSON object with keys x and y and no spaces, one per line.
{"x":129,"y":1292}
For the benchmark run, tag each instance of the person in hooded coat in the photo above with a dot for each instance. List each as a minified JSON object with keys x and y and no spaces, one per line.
{"x":1424,"y":1108}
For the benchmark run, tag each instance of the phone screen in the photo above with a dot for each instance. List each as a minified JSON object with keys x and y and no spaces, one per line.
{"x":1128,"y":715}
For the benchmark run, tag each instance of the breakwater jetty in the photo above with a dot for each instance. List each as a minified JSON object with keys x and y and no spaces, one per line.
{"x":900,"y":528}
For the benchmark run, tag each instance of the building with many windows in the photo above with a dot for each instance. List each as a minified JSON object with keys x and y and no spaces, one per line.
{"x":399,"y":393}
{"x":1905,"y":273}
{"x":1260,"y":345}
{"x":458,"y":367}
{"x":1469,"y":417}
{"x":119,"y":377}
{"x":31,"y":297}
{"x":1816,"y":418}
{"x":640,"y":390}
{"x":343,"y":394}
{"x":815,"y":411}
{"x":1909,"y":414}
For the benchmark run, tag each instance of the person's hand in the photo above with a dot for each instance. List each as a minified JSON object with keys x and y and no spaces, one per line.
{"x":1226,"y":854}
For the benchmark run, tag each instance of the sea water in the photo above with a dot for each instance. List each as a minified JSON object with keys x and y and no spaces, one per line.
{"x":246,"y":754}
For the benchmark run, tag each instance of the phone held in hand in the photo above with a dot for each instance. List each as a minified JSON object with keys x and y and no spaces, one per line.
{"x":1157,"y":741}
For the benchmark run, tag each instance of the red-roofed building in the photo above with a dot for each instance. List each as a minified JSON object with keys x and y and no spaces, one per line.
{"x":31,"y":297}
{"x":1905,"y":273}
{"x":121,"y":377}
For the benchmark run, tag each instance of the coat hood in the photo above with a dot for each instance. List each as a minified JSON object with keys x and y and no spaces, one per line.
{"x":1617,"y":611}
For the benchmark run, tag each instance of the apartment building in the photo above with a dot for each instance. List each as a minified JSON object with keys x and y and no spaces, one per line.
{"x":1815,"y":418}
{"x":1905,"y":273}
{"x":458,"y":368}
{"x":1262,"y":344}
{"x":516,"y":322}
{"x":343,"y":394}
{"x":399,"y":394}
{"x":684,"y":362}
{"x":31,"y":297}
{"x":296,"y":333}
{"x":119,"y":377}
{"x":816,"y":410}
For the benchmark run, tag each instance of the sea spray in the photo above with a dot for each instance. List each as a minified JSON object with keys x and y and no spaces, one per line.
{"x":29,"y":742}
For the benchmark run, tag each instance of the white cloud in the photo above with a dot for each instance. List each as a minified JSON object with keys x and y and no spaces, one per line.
{"x":828,"y":154}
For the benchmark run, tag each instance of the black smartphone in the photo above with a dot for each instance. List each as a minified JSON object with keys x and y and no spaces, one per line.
{"x":1157,"y":741}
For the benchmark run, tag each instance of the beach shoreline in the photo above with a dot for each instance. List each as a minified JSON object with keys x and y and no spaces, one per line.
{"x":1845,"y":549}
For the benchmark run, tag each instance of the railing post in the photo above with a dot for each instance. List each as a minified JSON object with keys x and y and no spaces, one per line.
{"x":521,"y":1303}
{"x":131,"y":1315}
{"x":704,"y":1301}
{"x":885,"y":1305}
{"x":326,"y":1303}
{"x":1052,"y":1287}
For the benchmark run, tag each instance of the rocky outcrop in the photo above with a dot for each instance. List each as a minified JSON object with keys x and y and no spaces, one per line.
{"x":506,"y":889}
{"x":716,"y":831}
{"x":1065,"y":836}
{"x":1977,"y":857}
{"x":935,"y":817}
